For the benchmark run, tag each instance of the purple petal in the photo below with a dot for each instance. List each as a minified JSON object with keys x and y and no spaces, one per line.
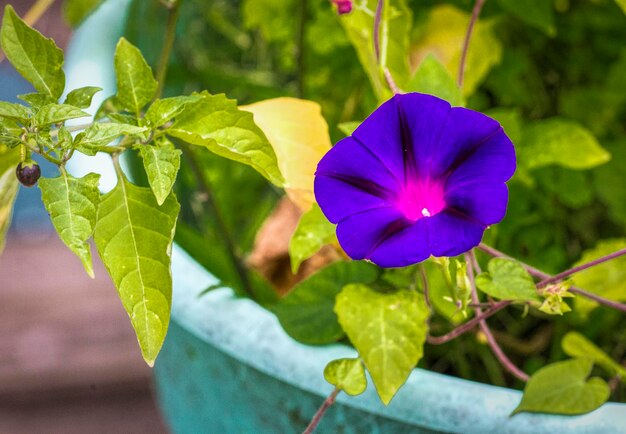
{"x":485,"y":203}
{"x":405,"y":247}
{"x":361,"y":233}
{"x":451,"y":233}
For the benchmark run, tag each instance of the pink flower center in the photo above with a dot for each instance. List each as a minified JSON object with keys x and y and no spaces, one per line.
{"x":423,"y":198}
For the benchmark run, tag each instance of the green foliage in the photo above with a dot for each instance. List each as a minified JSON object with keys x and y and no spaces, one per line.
{"x":136,"y":85}
{"x":507,"y":280}
{"x":394,"y":29}
{"x":134,"y":236}
{"x":562,"y":142}
{"x":82,"y":96}
{"x":16,"y":112}
{"x":98,"y":135}
{"x":37,"y":58}
{"x":72,"y":204}
{"x":537,"y":13}
{"x":161,"y":162}
{"x":576,"y":345}
{"x":164,"y":110}
{"x":56,"y":113}
{"x":564,"y":388}
{"x":387,"y":329}
{"x":306,"y":313}
{"x":8,"y":188}
{"x":313,"y":232}
{"x":215,"y":122}
{"x":347,"y":375}
{"x":75,"y":11}
{"x":432,"y":77}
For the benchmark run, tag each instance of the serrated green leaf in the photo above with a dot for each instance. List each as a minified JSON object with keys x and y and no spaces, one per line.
{"x":101,"y":134}
{"x":73,"y":204}
{"x":607,"y":280}
{"x":313,"y":232}
{"x":216,"y":123}
{"x":388,"y":330}
{"x":563,"y":388}
{"x":37,"y":100}
{"x":8,"y":188}
{"x":395,"y":26}
{"x":37,"y":58}
{"x":16,"y":112}
{"x":134,"y":236}
{"x":82,"y":96}
{"x":55,"y":113}
{"x":537,"y":13}
{"x":507,"y":280}
{"x":75,"y":11}
{"x":347,"y":375}
{"x":431,"y":77}
{"x":307,"y":314}
{"x":164,"y":110}
{"x":562,"y":142}
{"x":576,"y":345}
{"x":161,"y":163}
{"x":136,"y":85}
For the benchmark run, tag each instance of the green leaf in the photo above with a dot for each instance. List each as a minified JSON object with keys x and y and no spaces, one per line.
{"x":507,"y":280}
{"x":37,"y":58}
{"x":306,"y":313}
{"x":75,"y":11}
{"x":511,"y":121}
{"x":348,"y":127}
{"x":82,"y":96}
{"x":607,"y":176}
{"x":37,"y":100}
{"x":431,"y":77}
{"x":14,"y":111}
{"x":161,"y":162}
{"x":621,"y":4}
{"x":216,"y":123}
{"x":562,"y":142}
{"x":136,"y":85}
{"x":73,"y":204}
{"x":563,"y":388}
{"x":313,"y":232}
{"x":164,"y":110}
{"x":101,"y":134}
{"x":576,"y":345}
{"x":388,"y":330}
{"x":55,"y":113}
{"x":607,"y":280}
{"x":347,"y":375}
{"x":134,"y":239}
{"x":537,"y":13}
{"x":395,"y":26}
{"x":8,"y":188}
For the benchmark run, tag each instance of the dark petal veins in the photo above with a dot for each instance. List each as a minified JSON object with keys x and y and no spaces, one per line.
{"x":405,"y":247}
{"x":360,"y":233}
{"x":485,"y":203}
{"x":451,"y":233}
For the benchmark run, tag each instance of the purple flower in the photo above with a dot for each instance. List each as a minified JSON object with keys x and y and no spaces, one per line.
{"x":416,"y":178}
{"x":343,"y":6}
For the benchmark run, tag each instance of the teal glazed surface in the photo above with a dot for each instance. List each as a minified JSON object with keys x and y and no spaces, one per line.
{"x":228,"y":367}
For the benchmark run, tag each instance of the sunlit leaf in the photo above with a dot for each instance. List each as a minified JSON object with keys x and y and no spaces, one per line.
{"x":507,"y":280}
{"x":136,"y":85}
{"x":161,"y":162}
{"x":82,"y":96}
{"x":387,"y":329}
{"x":55,"y":113}
{"x":101,"y":134}
{"x":347,"y":375}
{"x":15,"y":112}
{"x":76,"y":11}
{"x":164,"y":110}
{"x":431,"y":77}
{"x":576,"y":345}
{"x":73,"y":204}
{"x":313,"y":232}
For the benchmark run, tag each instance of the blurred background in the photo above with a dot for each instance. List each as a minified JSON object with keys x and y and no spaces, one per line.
{"x":69,"y":360}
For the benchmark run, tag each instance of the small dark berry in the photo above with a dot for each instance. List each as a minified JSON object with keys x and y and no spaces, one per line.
{"x":28,"y":173}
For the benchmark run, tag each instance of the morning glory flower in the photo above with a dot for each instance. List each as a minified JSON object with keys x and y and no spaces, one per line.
{"x":417,"y":178}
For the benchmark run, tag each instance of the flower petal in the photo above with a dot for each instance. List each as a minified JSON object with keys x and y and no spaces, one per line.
{"x":451,"y":233}
{"x":406,"y":247}
{"x":359,"y":234}
{"x":485,"y":203}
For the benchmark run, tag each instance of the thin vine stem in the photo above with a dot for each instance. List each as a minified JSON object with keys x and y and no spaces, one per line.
{"x":466,"y":42}
{"x":328,"y":402}
{"x":173,"y":7}
{"x":491,"y":340}
{"x":377,"y":19}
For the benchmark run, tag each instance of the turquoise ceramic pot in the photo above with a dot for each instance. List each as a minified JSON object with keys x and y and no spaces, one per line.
{"x":228,"y":367}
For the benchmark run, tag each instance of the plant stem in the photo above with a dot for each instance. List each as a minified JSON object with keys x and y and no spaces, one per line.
{"x":377,"y":18}
{"x":205,"y":186}
{"x":574,"y":289}
{"x":491,"y":340}
{"x":328,"y":402}
{"x":468,"y":35}
{"x":301,"y":47}
{"x":170,"y":34}
{"x":467,"y":326}
{"x":425,"y":287}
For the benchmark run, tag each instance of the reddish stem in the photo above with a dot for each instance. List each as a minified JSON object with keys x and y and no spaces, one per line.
{"x":468,"y":35}
{"x":328,"y":402}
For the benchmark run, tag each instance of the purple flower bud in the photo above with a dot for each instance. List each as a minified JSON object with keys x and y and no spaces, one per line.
{"x":343,"y":6}
{"x":417,"y":178}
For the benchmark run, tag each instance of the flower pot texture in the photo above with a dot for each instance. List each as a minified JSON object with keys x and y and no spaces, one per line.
{"x":228,"y":367}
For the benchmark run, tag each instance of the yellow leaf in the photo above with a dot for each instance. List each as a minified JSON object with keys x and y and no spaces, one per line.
{"x":299,"y":135}
{"x":443,"y":35}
